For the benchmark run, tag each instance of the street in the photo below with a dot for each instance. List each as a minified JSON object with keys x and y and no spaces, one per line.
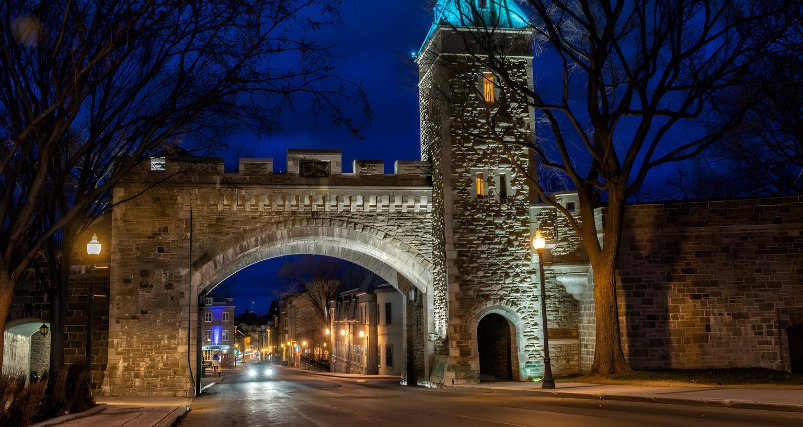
{"x":298,"y":398}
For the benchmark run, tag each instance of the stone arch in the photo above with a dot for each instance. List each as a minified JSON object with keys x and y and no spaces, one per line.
{"x":25,"y":349}
{"x":509,"y":311}
{"x":383,"y":255}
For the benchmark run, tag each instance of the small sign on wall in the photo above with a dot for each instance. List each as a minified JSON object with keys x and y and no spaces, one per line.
{"x":314,"y":169}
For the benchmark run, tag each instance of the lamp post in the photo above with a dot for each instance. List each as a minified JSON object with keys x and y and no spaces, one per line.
{"x":93,"y":249}
{"x":539,"y":243}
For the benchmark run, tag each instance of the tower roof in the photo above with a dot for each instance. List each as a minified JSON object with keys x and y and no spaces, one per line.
{"x":477,"y":13}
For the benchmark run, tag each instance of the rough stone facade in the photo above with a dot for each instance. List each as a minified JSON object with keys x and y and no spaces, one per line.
{"x":381,"y":222}
{"x":485,"y":251}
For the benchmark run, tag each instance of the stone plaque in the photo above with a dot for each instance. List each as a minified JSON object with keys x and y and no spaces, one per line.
{"x":314,"y":169}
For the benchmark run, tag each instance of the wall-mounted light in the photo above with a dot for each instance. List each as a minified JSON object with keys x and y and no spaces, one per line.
{"x":43,"y":329}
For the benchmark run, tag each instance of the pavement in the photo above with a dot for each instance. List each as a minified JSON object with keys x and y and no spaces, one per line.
{"x":773,"y":400}
{"x":135,"y":411}
{"x":290,"y":397}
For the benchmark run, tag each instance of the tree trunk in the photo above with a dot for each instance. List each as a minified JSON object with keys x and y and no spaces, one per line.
{"x":59,"y":299}
{"x":608,"y":355}
{"x":6,"y":295}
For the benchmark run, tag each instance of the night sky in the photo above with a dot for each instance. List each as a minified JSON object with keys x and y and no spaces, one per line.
{"x":374,"y":47}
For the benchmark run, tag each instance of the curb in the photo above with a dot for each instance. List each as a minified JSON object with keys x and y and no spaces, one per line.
{"x":100,"y":407}
{"x":344,"y":376}
{"x":219,"y":380}
{"x":735,"y":404}
{"x":171,"y":418}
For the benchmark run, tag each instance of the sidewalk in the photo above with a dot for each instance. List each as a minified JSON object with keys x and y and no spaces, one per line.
{"x":137,"y":411}
{"x":771,"y":400}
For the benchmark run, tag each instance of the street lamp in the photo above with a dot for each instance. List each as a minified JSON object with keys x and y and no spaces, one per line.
{"x":343,"y":332}
{"x":93,"y":249}
{"x":362,"y":334}
{"x":538,"y":244}
{"x":43,"y":329}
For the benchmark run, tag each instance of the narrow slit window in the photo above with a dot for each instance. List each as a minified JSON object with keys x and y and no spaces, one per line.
{"x":488,"y":87}
{"x":503,"y":187}
{"x":480,"y":186}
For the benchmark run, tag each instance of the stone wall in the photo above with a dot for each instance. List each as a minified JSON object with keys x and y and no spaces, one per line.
{"x":40,"y":353}
{"x":16,"y":353}
{"x":703,"y":284}
{"x":380,"y":222}
{"x":486,"y":263}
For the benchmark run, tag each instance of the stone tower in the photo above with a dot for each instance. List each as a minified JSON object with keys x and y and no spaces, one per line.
{"x":481,"y":203}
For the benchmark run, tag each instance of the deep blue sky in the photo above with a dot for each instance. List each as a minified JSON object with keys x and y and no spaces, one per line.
{"x":372,"y":45}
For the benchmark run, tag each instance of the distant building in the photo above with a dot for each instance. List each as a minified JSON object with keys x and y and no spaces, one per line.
{"x":367,"y":325}
{"x":218,"y":328}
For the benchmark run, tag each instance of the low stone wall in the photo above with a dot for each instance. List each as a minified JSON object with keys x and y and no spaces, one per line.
{"x":705,"y":284}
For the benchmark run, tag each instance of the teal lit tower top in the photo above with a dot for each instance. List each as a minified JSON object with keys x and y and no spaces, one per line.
{"x":478,"y":13}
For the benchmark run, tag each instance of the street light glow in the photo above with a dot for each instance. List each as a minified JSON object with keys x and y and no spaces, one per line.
{"x":538,"y":241}
{"x":362,"y":334}
{"x":93,"y":247}
{"x":342,"y":332}
{"x":327,"y":331}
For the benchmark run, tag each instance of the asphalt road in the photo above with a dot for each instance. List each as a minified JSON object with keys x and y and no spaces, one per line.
{"x":294,"y":398}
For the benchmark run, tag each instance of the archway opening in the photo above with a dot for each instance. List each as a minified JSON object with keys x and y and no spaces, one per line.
{"x":26,"y":350}
{"x":794,"y":335}
{"x":494,"y":342}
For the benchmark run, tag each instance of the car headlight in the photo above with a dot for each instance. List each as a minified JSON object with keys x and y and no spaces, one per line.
{"x":252,"y":372}
{"x":267,"y":371}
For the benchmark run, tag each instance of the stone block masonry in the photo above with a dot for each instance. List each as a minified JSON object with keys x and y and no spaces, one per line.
{"x":482,"y":223}
{"x":704,"y":284}
{"x":379,"y":221}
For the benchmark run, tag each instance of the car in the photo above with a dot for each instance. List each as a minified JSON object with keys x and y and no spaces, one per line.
{"x":260,"y":371}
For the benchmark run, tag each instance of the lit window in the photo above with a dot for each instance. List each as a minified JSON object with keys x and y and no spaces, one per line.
{"x":208,"y":335}
{"x":208,"y":316}
{"x":225,"y":335}
{"x":157,"y":163}
{"x":225,"y":316}
{"x":480,"y":186}
{"x":488,"y":87}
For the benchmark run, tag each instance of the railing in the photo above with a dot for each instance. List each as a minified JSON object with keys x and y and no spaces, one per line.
{"x":321,"y":364}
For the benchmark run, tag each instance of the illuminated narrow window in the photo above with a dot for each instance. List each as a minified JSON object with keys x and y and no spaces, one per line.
{"x":480,"y":186}
{"x":488,"y":87}
{"x":503,"y":187}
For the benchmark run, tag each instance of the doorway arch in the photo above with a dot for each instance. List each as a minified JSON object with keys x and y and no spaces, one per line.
{"x":494,"y":342}
{"x":794,"y":336}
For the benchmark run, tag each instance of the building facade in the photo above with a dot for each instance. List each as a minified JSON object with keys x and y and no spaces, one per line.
{"x":218,"y":329}
{"x":367,"y":325}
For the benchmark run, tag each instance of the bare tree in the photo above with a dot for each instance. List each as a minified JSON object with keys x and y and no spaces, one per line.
{"x":89,"y":89}
{"x":317,"y":278}
{"x":641,"y":83}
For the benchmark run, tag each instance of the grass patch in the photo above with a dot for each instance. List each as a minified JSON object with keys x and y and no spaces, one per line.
{"x":752,"y":378}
